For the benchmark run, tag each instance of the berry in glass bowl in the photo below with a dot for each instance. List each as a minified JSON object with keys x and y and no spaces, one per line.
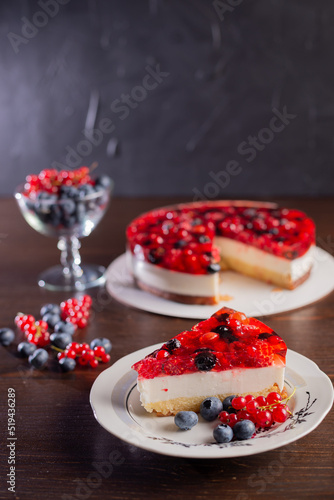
{"x":67,"y":205}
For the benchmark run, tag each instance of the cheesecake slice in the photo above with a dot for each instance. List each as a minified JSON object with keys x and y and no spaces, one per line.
{"x":223,"y":355}
{"x":177,"y":252}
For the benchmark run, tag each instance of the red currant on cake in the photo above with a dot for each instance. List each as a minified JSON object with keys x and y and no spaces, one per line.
{"x":226,"y":354}
{"x":177,"y":252}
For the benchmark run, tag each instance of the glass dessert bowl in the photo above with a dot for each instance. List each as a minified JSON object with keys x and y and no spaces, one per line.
{"x":67,"y":212}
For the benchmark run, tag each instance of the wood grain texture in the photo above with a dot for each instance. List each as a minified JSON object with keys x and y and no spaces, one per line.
{"x":59,"y":440}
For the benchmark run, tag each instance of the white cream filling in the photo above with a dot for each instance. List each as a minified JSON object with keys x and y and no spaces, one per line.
{"x":235,"y":381}
{"x":294,"y":269}
{"x":207,"y":285}
{"x":197,"y":285}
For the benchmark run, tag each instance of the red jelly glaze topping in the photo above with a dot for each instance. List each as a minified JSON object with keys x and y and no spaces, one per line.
{"x":226,"y":340}
{"x":180,"y":237}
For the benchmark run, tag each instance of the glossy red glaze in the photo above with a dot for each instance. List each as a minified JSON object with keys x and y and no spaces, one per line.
{"x":247,"y":344}
{"x":181,"y":237}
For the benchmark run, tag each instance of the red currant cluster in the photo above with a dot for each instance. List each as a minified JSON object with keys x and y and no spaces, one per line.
{"x":262,"y":411}
{"x":84,"y":355}
{"x":181,"y":238}
{"x":76,"y":311}
{"x":36,"y":332}
{"x":226,"y":340}
{"x":50,"y":180}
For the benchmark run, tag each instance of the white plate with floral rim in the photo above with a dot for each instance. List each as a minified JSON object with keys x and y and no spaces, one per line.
{"x":115,"y":401}
{"x":253,"y":297}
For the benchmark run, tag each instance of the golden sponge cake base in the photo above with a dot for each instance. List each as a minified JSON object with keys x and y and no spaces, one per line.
{"x":172,"y":406}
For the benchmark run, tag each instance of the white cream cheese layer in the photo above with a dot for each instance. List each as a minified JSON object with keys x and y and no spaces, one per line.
{"x":236,"y":381}
{"x":252,"y":256}
{"x":207,"y":285}
{"x":196,"y":285}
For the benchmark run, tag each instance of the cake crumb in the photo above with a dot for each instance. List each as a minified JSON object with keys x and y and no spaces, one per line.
{"x":226,"y":298}
{"x":277,"y":289}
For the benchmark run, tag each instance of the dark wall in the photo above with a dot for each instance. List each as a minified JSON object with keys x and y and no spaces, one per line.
{"x":190,"y":93}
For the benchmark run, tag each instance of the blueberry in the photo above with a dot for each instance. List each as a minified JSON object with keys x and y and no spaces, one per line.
{"x":67,"y":205}
{"x":85,"y":190}
{"x":225,"y":333}
{"x":80,"y":212}
{"x":69,"y":222}
{"x":44,"y":201}
{"x":210,"y":408}
{"x":180,"y":244}
{"x":67,"y":364}
{"x":64,"y":327}
{"x":153,"y":256}
{"x":101,"y":342}
{"x":55,"y":215}
{"x":60,"y":340}
{"x":185,"y":420}
{"x":39,"y":358}
{"x":273,"y":230}
{"x":223,"y":433}
{"x":51,"y":319}
{"x":173,"y":344}
{"x":6,"y":336}
{"x":50,"y":308}
{"x":213,"y":268}
{"x":103,"y":181}
{"x":205,"y":361}
{"x":68,"y":192}
{"x":244,"y":429}
{"x":227,"y":404}
{"x":26,"y":348}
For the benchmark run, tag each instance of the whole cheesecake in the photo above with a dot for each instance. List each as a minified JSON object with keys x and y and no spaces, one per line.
{"x":177,"y":252}
{"x":223,"y":355}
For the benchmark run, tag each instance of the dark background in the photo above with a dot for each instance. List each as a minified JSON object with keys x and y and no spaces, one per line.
{"x":225,"y":76}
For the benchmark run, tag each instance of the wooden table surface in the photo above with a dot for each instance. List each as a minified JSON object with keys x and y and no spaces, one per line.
{"x":59,"y":442}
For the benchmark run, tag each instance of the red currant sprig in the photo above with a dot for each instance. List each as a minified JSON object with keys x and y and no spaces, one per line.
{"x":83,"y":354}
{"x":76,"y":311}
{"x":50,"y":180}
{"x":36,"y":332}
{"x":263,"y":411}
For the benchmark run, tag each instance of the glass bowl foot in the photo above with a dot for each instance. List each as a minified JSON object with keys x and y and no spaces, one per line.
{"x":54,"y":278}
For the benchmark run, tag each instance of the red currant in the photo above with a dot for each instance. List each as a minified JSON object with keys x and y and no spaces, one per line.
{"x":74,"y":346}
{"x":249,"y":398}
{"x":238,"y":403}
{"x":88,"y":353}
{"x":43,"y":338}
{"x":42,"y":324}
{"x":61,"y":355}
{"x":93,"y":363}
{"x":99,"y":351}
{"x":273,"y":397}
{"x":280,"y":414}
{"x":28,"y":328}
{"x":82,"y":347}
{"x":264,"y":418}
{"x":70,"y":353}
{"x":261,"y":400}
{"x":243,"y":415}
{"x":82,"y":360}
{"x":105,"y":358}
{"x":82,"y":323}
{"x":252,"y":406}
{"x":228,"y":418}
{"x":32,"y":338}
